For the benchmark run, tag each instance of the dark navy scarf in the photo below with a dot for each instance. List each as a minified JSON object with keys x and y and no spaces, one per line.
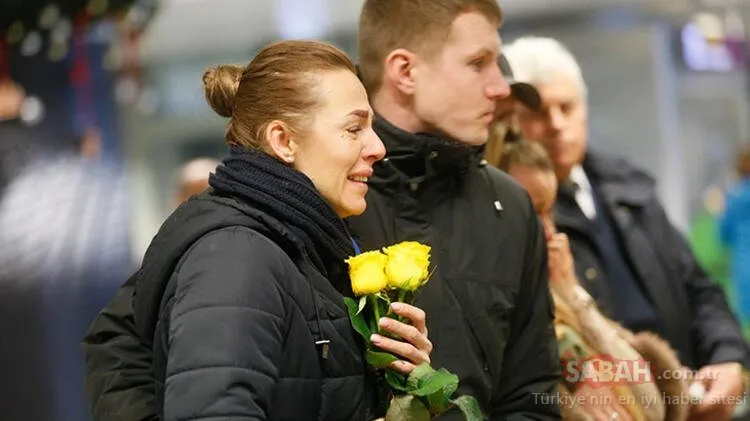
{"x":289,"y":196}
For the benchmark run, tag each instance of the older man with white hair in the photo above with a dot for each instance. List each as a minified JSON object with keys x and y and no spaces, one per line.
{"x":628,"y":255}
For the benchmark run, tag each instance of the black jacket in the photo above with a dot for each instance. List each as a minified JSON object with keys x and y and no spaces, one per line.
{"x":691,"y":309}
{"x":489,"y":310}
{"x":239,"y":321}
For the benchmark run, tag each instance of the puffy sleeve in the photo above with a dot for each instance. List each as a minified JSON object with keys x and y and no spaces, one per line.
{"x":226,"y":328}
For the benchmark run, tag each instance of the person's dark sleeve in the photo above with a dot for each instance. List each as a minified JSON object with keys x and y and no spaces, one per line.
{"x":716,"y":331}
{"x":226,"y":329}
{"x":119,"y":381}
{"x":531,"y":367}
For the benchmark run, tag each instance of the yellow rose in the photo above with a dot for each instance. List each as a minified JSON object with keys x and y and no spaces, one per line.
{"x":367,"y":273}
{"x":408,"y":265}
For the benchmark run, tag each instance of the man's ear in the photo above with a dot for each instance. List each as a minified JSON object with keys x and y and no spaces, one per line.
{"x":400,"y":69}
{"x":280,"y":141}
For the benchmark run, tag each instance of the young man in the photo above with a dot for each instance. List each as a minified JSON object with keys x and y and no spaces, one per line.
{"x":629,"y":256}
{"x":430,"y":68}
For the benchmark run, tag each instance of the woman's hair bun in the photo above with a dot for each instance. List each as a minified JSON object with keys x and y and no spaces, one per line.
{"x":220,"y":84}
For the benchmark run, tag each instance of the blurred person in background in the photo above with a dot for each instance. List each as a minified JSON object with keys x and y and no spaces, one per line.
{"x":583,"y":333}
{"x":628,"y":255}
{"x":18,"y":144}
{"x":502,"y":129}
{"x":64,"y":249}
{"x":734,"y":229}
{"x":705,"y":241}
{"x":193,"y":178}
{"x":430,"y":70}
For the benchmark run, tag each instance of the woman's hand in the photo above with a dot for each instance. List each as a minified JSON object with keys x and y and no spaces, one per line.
{"x":560,"y":264}
{"x":601,"y":403}
{"x":415,"y":348}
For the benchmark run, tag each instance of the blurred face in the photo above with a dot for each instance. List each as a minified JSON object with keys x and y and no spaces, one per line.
{"x":455,"y":91}
{"x":11,"y":100}
{"x":340,"y":147}
{"x":191,"y":188}
{"x":560,"y":125}
{"x":542,"y":187}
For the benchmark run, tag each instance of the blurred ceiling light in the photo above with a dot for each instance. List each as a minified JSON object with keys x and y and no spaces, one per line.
{"x":113,"y":58}
{"x":31,"y":44}
{"x":15,"y":33}
{"x":97,"y":7}
{"x":58,"y":51}
{"x":710,"y":26}
{"x":62,"y":31}
{"x":49,"y":15}
{"x":32,"y":111}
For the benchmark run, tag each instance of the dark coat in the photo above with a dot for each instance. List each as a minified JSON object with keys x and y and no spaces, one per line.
{"x":692,"y":310}
{"x":489,"y":310}
{"x":239,"y":321}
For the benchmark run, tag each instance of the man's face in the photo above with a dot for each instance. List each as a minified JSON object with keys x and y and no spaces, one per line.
{"x":455,"y":91}
{"x":561,"y":125}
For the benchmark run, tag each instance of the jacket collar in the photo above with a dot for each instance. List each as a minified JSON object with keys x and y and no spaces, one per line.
{"x":414,"y":158}
{"x":617,"y":180}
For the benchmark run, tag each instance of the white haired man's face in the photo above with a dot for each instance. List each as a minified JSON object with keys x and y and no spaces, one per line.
{"x":561,"y":125}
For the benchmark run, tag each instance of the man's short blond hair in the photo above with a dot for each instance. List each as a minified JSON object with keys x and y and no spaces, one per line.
{"x":420,"y":26}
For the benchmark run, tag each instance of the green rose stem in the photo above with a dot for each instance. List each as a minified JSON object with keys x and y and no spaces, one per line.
{"x":376,"y":309}
{"x":401,"y":295}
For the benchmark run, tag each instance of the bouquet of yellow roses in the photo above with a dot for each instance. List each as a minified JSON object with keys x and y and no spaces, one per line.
{"x":378,"y":279}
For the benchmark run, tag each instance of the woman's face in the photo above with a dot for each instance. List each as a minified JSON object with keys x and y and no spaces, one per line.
{"x":339,"y":148}
{"x":542,"y":188}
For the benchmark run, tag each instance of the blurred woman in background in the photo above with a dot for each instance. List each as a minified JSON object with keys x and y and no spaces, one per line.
{"x":583,"y":333}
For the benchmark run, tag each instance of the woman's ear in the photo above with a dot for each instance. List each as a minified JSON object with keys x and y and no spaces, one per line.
{"x":280,"y":141}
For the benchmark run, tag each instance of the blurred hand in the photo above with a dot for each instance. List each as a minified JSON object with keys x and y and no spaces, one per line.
{"x":415,"y":347}
{"x":724,"y":390}
{"x":560,"y":264}
{"x":601,"y":403}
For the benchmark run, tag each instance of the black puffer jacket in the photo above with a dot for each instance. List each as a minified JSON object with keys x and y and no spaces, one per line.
{"x":240,"y":318}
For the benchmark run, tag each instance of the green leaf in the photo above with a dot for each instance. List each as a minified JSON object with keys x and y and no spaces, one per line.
{"x":449,"y":389}
{"x":470,"y":408}
{"x":438,"y":403}
{"x":407,"y":408}
{"x":395,"y":380}
{"x":358,"y":321}
{"x":362,"y":303}
{"x":434,"y":383}
{"x":419,"y":373}
{"x":436,"y":386}
{"x":379,"y":359}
